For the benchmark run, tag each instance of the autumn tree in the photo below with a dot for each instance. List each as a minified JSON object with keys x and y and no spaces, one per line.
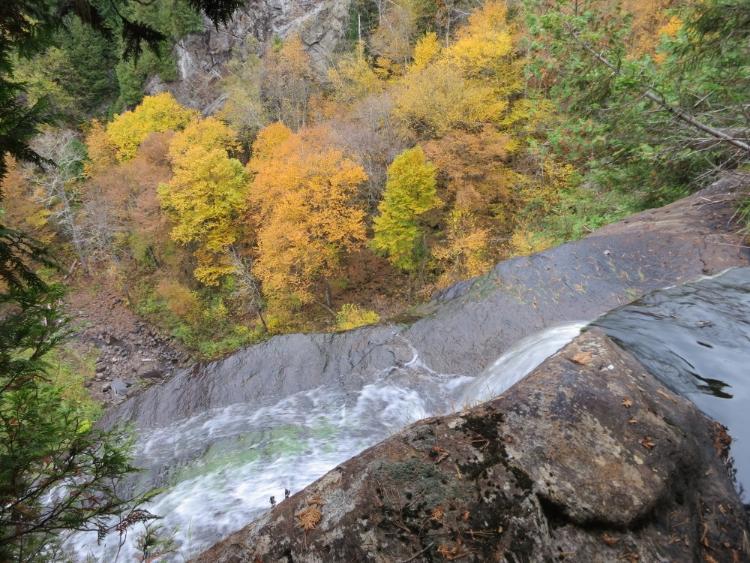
{"x":287,"y":82}
{"x":409,"y":193}
{"x":474,"y":80}
{"x":244,"y":108}
{"x":352,"y":78}
{"x":206,"y":196}
{"x":120,"y":214}
{"x":57,"y":183}
{"x":100,"y":151}
{"x":465,"y":252}
{"x":155,"y":114}
{"x":393,"y":38}
{"x":24,"y":206}
{"x":303,"y":199}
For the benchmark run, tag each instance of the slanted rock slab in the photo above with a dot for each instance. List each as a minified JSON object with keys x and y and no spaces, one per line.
{"x":589,"y":458}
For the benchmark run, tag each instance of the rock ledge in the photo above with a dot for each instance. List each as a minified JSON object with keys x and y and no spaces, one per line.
{"x":588,"y":459}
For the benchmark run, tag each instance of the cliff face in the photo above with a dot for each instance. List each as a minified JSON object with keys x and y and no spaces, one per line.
{"x":588,"y":459}
{"x":321,"y":24}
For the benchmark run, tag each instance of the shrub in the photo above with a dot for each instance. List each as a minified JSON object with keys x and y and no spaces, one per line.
{"x":353,"y":316}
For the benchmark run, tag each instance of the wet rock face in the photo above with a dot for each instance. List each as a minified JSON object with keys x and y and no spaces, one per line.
{"x":321,"y":24}
{"x":588,"y":459}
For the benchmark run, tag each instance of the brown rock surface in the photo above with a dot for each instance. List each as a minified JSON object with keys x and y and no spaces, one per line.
{"x":587,"y":459}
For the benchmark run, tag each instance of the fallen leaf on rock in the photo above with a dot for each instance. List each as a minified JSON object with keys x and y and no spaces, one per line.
{"x":437,"y":513}
{"x":609,"y":540}
{"x":581,"y":358}
{"x":632,"y":421}
{"x":666,"y":395}
{"x":627,"y":403}
{"x":648,"y":443}
{"x":309,"y":517}
{"x":451,"y":552}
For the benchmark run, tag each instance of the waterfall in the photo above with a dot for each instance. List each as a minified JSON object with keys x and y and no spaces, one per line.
{"x":520,"y":360}
{"x":221,"y":467}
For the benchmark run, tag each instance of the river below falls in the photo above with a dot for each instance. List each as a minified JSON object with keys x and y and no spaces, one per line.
{"x":219,"y":469}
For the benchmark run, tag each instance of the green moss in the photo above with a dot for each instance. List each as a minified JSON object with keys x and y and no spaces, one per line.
{"x":283,"y":441}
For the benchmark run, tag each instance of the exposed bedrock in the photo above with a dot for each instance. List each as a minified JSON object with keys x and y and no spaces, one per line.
{"x":589,"y":458}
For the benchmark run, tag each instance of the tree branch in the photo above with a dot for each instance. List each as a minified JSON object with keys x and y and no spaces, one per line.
{"x":657,"y":98}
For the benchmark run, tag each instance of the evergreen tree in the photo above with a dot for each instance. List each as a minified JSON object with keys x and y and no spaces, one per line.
{"x":56,"y":471}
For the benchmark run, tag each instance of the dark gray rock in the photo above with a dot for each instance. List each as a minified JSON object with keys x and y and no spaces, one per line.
{"x":590,"y":458}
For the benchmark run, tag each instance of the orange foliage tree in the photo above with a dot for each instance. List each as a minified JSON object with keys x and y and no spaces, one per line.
{"x":303,"y":208}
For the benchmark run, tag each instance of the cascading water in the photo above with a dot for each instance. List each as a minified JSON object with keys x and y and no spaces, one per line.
{"x":221,"y":467}
{"x":515,"y":364}
{"x":695,"y":338}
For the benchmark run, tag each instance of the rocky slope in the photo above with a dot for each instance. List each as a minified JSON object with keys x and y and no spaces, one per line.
{"x":587,"y":459}
{"x":130,"y":354}
{"x":321,"y":24}
{"x":471,"y":324}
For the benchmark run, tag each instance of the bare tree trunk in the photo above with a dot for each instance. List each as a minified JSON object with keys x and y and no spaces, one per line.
{"x":249,"y":283}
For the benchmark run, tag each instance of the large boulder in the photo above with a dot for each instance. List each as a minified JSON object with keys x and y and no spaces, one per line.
{"x":589,"y":458}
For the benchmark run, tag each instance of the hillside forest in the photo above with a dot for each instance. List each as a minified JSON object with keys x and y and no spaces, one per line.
{"x":441,"y":140}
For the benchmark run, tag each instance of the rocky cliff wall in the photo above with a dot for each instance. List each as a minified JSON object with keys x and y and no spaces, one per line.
{"x":321,"y":25}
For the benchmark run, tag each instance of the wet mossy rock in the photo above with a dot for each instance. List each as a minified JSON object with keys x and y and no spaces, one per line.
{"x":588,"y":459}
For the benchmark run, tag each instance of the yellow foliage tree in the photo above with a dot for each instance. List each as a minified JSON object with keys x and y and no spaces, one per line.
{"x":474,"y":80}
{"x":353,"y":316}
{"x":100,"y":150}
{"x":410,"y":192}
{"x":303,"y":197}
{"x":465,"y":252}
{"x":155,"y":114}
{"x":353,"y":78}
{"x":207,"y":196}
{"x":426,"y":50}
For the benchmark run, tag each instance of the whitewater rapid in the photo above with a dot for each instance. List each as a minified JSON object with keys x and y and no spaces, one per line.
{"x":222,"y":467}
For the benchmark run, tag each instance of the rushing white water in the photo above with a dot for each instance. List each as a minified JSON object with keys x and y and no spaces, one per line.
{"x":520,"y":360}
{"x":220,"y":468}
